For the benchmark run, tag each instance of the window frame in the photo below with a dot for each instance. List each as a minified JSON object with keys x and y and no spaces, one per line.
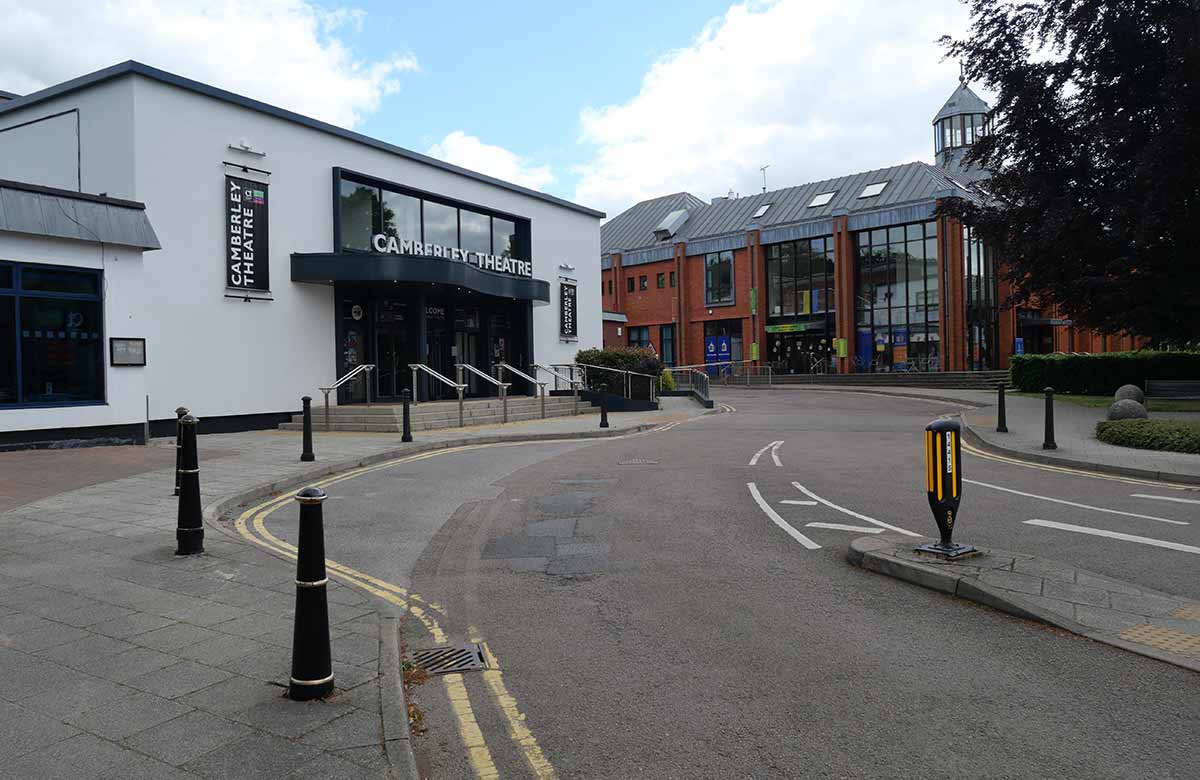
{"x":709,"y":299}
{"x":629,"y":283}
{"x":643,"y":283}
{"x":660,"y":280}
{"x":16,"y":293}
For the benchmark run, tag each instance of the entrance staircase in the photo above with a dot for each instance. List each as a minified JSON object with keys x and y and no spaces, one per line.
{"x":948,"y":380}
{"x":432,"y":415}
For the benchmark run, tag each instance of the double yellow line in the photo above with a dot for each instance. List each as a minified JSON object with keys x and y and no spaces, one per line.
{"x":251,"y":525}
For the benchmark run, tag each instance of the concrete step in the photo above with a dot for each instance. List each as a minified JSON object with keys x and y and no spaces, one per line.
{"x":362,"y":414}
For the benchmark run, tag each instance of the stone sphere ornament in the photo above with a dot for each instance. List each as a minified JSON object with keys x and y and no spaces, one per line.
{"x":1130,"y":393}
{"x":1127,"y":409}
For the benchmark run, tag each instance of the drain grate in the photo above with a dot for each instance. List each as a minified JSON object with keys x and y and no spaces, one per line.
{"x":450,"y":659}
{"x":637,"y":462}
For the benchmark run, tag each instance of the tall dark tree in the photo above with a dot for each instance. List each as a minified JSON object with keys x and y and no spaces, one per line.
{"x":1095,"y":157}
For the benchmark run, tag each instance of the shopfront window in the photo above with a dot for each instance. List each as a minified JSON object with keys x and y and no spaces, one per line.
{"x":51,"y":336}
{"x":504,"y":237}
{"x":897,"y":300}
{"x":401,"y":215}
{"x":359,"y":205}
{"x":718,"y":278}
{"x":476,"y":231}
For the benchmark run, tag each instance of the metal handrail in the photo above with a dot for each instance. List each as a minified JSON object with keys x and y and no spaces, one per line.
{"x":502,"y":385}
{"x":628,"y":393}
{"x":502,"y":367}
{"x":459,"y":386}
{"x":363,"y":368}
{"x":617,"y":370}
{"x":573,"y":383}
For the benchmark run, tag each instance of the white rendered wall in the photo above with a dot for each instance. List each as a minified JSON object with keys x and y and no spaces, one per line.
{"x":101,"y":161}
{"x":124,"y":316}
{"x":221,"y":356}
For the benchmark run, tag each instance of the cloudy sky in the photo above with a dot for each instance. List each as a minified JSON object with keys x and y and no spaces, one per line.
{"x":603,"y":104}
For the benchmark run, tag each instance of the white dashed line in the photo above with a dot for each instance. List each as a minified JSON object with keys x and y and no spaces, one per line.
{"x":1083,"y":529}
{"x":1165,"y":498}
{"x":845,"y":511}
{"x":779,"y":521}
{"x":798,"y":502}
{"x":859,"y":529}
{"x":1080,"y":506}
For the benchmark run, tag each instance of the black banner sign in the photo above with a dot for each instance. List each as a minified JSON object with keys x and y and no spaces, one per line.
{"x":247,"y":265}
{"x":568,"y":324}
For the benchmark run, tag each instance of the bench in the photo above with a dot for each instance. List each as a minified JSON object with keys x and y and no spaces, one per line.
{"x":1175,"y":389}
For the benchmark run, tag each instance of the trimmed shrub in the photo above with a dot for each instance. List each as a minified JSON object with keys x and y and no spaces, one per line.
{"x":1127,"y":409}
{"x":638,"y":359}
{"x":668,"y":381}
{"x":1100,"y":374}
{"x":1130,"y":393}
{"x":1163,"y":435}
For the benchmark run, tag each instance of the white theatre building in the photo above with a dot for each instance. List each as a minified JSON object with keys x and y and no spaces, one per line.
{"x":164,"y":239}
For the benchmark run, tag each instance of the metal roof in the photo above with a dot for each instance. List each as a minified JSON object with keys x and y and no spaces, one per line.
{"x":54,"y":213}
{"x":8,"y":95}
{"x":131,"y":66}
{"x":963,"y":101}
{"x":908,"y":184}
{"x":634,"y":227}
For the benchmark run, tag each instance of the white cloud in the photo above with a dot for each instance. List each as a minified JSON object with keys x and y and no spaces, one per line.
{"x":470,"y":152}
{"x":284,"y":52}
{"x":813,"y":88}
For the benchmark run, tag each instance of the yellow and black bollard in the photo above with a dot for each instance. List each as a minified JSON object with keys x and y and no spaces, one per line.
{"x":943,"y":484}
{"x":312,"y":668}
{"x":189,"y":530}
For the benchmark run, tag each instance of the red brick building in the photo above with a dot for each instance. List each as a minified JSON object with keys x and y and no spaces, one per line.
{"x":848,"y":274}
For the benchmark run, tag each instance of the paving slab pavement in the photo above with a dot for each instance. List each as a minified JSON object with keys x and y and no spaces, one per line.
{"x":123,"y":660}
{"x":1132,"y":617}
{"x":1074,"y":432}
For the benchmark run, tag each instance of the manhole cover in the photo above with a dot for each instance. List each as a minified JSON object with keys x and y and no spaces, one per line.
{"x":637,"y":462}
{"x":450,"y":659}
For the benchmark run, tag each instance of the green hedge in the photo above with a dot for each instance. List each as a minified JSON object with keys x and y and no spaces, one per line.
{"x":1164,"y":435}
{"x":638,"y":359}
{"x":1100,"y":374}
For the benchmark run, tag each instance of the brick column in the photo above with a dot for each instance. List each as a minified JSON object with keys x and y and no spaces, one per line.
{"x":618,"y":283}
{"x":952,"y":301}
{"x":758,"y":273}
{"x":844,"y":292}
{"x":681,"y":314}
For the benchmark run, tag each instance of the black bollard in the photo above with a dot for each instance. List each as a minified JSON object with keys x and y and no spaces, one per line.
{"x":307,"y":455}
{"x":189,"y":532}
{"x":943,"y":484}
{"x":1001,"y":415}
{"x":312,"y":669}
{"x":1048,"y":442}
{"x":179,"y":413}
{"x":406,"y":399}
{"x":603,"y":411}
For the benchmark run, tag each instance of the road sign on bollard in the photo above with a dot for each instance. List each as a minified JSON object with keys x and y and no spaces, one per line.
{"x":189,"y":531}
{"x":943,"y":484}
{"x":312,"y":667}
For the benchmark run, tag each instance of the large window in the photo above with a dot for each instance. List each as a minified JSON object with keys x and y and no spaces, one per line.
{"x":980,"y":292}
{"x":639,"y":336}
{"x":896,"y":307}
{"x":718,"y":278}
{"x":800,"y":280}
{"x":51,"y":336}
{"x":959,"y":130}
{"x":365,"y":209}
{"x":666,"y":341}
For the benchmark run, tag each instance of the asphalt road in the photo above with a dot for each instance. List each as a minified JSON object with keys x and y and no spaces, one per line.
{"x":652,"y":620}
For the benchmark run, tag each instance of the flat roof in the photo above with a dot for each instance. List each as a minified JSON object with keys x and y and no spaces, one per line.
{"x":133,"y":67}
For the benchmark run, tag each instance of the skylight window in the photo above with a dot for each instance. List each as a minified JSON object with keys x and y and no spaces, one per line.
{"x":822,"y":199}
{"x":761,"y":210}
{"x":871,"y":190}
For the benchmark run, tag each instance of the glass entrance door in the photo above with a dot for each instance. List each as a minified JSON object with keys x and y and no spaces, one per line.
{"x":393,"y":350}
{"x":466,"y":350}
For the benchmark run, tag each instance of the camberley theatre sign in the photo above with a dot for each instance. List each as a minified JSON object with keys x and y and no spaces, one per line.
{"x":391,"y":245}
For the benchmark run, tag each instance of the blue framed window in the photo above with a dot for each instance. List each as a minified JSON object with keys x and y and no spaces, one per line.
{"x":51,"y":336}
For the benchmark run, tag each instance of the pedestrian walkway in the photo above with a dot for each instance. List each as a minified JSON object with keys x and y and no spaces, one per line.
{"x":1074,"y":432}
{"x":123,"y":661}
{"x":1144,"y":621}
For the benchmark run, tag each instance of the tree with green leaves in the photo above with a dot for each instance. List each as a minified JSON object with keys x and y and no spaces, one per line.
{"x":1095,"y":157}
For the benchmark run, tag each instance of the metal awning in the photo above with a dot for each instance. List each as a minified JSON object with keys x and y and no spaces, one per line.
{"x":354,"y":267}
{"x":54,"y":213}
